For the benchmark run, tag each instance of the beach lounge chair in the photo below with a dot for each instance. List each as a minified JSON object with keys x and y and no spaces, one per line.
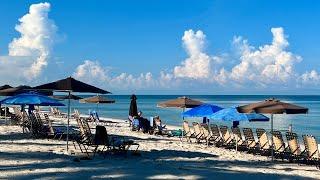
{"x":198,"y":134}
{"x":279,"y":145}
{"x":215,"y":134}
{"x":187,"y":133}
{"x":241,"y":144}
{"x":228,"y":140}
{"x":264,"y":145}
{"x":206,"y":133}
{"x":311,"y":148}
{"x":294,"y":148}
{"x":250,"y":140}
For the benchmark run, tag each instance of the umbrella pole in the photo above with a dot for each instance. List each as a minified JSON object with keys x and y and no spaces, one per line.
{"x":271,"y":137}
{"x":68,"y":122}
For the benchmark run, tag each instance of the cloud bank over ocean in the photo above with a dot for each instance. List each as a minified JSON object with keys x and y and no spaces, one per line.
{"x":270,"y":65}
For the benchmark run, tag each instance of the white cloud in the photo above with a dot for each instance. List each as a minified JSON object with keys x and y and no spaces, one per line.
{"x":198,"y":64}
{"x":269,"y":64}
{"x":37,"y":37}
{"x":90,"y":70}
{"x":310,"y":78}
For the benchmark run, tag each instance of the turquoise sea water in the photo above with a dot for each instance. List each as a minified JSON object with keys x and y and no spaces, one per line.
{"x":302,"y":124}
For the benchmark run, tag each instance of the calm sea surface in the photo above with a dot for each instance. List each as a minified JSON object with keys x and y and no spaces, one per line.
{"x":302,"y":124}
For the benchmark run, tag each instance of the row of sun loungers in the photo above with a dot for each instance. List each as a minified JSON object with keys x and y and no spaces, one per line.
{"x":222,"y":137}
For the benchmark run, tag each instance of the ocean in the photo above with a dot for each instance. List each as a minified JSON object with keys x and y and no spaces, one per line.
{"x":302,"y":123}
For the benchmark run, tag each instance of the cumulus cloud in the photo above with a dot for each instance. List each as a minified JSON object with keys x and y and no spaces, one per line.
{"x":198,"y":64}
{"x":37,"y":35}
{"x":269,"y":64}
{"x":91,"y":70}
{"x":310,"y":78}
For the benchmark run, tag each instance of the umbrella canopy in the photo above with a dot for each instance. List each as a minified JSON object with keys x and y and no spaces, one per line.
{"x":231,"y":114}
{"x":6,"y":86}
{"x":133,"y":110}
{"x":21,"y":89}
{"x":272,"y":106}
{"x":71,"y":96}
{"x":31,"y":99}
{"x":97,"y":99}
{"x":71,"y":84}
{"x":180,"y":102}
{"x":204,"y":110}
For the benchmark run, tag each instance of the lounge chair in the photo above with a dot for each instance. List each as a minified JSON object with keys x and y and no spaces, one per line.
{"x":216,"y":136}
{"x":197,"y":132}
{"x":228,"y":140}
{"x":250,"y":140}
{"x":187,"y":133}
{"x":294,"y":148}
{"x":264,"y":145}
{"x":311,"y":148}
{"x":206,"y":133}
{"x":241,"y":144}
{"x":279,"y":146}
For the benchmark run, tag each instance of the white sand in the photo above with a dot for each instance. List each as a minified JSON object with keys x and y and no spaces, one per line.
{"x":22,"y":157}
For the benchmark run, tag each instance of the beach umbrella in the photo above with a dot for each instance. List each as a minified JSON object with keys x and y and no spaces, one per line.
{"x":71,"y":96}
{"x":97,"y":100}
{"x":31,"y":98}
{"x":6,"y":86}
{"x":22,"y":89}
{"x":204,"y":110}
{"x":133,"y":110}
{"x":232,"y":114}
{"x":180,"y":102}
{"x":71,"y":85}
{"x":272,"y":106}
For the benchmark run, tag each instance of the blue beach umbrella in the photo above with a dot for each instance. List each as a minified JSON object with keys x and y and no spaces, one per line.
{"x":31,"y":99}
{"x":204,"y":110}
{"x":232,"y":114}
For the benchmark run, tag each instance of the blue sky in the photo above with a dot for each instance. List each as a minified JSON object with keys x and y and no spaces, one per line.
{"x":135,"y":37}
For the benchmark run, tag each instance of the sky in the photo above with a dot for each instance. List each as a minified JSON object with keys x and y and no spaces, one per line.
{"x":164,"y":47}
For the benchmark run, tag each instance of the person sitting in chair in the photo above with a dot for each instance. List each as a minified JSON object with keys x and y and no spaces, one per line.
{"x":157,"y":124}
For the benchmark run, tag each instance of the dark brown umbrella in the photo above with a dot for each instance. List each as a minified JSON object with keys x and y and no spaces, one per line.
{"x":180,"y":102}
{"x":71,"y":85}
{"x":22,"y":89}
{"x":133,"y":109}
{"x":6,"y":86}
{"x":97,"y":99}
{"x":272,"y":106}
{"x":71,"y":96}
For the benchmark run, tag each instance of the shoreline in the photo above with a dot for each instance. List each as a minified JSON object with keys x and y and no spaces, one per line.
{"x":160,"y":157}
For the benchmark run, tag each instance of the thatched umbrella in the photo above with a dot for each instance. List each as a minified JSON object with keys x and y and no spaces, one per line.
{"x":272,"y":106}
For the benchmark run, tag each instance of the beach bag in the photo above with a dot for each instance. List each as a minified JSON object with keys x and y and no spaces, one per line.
{"x":176,"y":133}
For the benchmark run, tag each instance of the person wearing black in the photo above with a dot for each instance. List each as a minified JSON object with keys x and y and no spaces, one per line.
{"x":144,"y":123}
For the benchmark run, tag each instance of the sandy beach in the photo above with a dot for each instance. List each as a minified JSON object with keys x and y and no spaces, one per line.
{"x":23,"y":157}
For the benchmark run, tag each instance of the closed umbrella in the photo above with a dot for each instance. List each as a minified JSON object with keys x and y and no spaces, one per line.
{"x":272,"y":106}
{"x":71,"y":85}
{"x":133,"y":109}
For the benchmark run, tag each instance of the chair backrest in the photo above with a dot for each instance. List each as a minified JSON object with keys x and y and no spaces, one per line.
{"x":81,"y":128}
{"x":214,"y":130}
{"x":311,"y":146}
{"x":197,"y":128}
{"x":86,"y":127}
{"x":263,"y":139}
{"x":293,"y":143}
{"x":236,"y":132}
{"x":185,"y":127}
{"x":278,"y":141}
{"x":249,"y":137}
{"x":50,"y":126}
{"x":205,"y":130}
{"x":101,"y":136}
{"x":225,"y":134}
